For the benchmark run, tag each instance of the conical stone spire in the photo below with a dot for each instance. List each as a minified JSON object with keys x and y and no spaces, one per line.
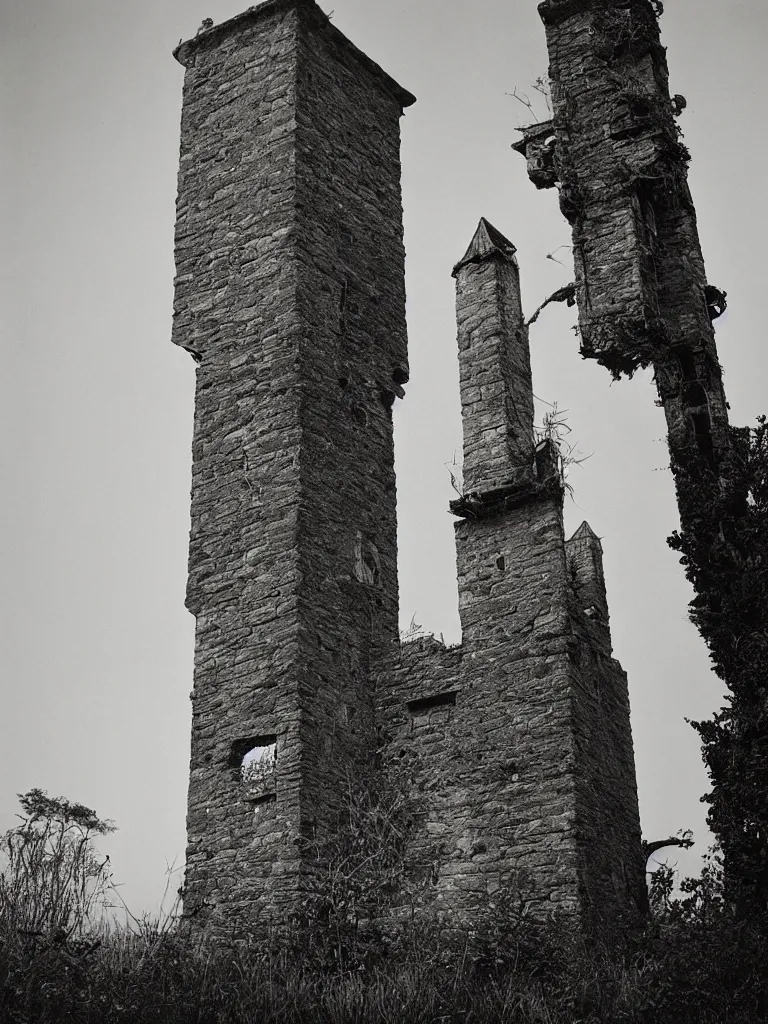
{"x":494,"y":363}
{"x":487,"y":243}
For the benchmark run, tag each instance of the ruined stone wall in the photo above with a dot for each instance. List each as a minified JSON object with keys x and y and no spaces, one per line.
{"x":289,"y":294}
{"x":290,"y":297}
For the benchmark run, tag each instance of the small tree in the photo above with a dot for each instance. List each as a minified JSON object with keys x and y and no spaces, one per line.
{"x":52,"y":882}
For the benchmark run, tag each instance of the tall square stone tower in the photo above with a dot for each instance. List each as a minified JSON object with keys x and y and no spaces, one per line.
{"x":290,"y":296}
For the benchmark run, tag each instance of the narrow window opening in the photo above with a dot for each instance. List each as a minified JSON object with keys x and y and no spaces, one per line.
{"x":437,"y":700}
{"x":687,"y":365}
{"x":501,"y":563}
{"x":701,"y":424}
{"x":367,"y":567}
{"x":370,"y":561}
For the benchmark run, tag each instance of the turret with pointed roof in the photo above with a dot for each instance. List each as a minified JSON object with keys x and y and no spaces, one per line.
{"x":494,"y":362}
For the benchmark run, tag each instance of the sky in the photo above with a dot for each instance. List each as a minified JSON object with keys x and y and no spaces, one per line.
{"x":97,"y":404}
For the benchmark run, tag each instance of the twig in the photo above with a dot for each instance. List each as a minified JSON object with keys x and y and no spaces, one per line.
{"x":551,"y":255}
{"x":522,"y":98}
{"x":541,"y":85}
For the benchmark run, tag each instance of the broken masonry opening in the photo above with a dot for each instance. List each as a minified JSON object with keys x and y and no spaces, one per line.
{"x":254,"y":760}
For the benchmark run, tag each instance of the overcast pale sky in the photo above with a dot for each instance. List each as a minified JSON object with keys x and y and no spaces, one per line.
{"x":97,"y":403}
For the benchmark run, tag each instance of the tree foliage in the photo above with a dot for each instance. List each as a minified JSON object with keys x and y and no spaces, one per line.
{"x":724,"y":548}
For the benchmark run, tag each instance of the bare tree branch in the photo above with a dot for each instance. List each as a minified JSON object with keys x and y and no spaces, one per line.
{"x":566,"y":295}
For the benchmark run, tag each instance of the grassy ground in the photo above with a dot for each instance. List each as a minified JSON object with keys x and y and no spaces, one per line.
{"x":696,"y":962}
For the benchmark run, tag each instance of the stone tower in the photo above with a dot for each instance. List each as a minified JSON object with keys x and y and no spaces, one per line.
{"x":290,"y":297}
{"x":613,"y":151}
{"x":524,"y":729}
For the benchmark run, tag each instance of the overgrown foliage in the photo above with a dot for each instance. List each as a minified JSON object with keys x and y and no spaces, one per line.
{"x":697,"y":961}
{"x":362,"y":865}
{"x":724,"y":548}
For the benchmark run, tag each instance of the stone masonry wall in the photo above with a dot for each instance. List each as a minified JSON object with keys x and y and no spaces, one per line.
{"x":612,"y":866}
{"x":234,"y":311}
{"x":521,"y":735}
{"x":498,"y":760}
{"x":351,"y":298}
{"x":289,"y":146}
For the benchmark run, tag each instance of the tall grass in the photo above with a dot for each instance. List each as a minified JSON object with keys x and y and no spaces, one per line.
{"x":63,"y":959}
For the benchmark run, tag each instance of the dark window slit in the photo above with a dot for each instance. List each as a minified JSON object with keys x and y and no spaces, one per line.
{"x":437,"y":700}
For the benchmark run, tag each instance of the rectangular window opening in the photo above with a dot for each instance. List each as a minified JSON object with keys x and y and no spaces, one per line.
{"x":437,"y":700}
{"x":254,"y":760}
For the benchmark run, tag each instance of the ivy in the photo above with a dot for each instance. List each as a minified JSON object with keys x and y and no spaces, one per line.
{"x":724,"y":548}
